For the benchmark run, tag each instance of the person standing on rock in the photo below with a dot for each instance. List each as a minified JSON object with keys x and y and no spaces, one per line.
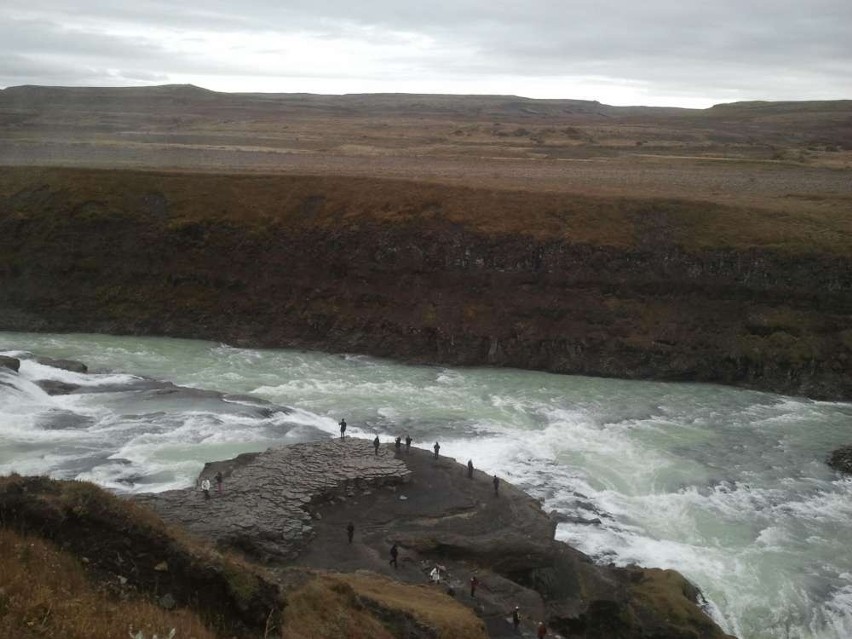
{"x":394,"y":553}
{"x":470,"y":469}
{"x":342,"y":428}
{"x":205,"y":488}
{"x":407,"y":443}
{"x":219,"y":479}
{"x":496,"y":482}
{"x":350,"y":531}
{"x":436,"y":448}
{"x":397,"y":443}
{"x":474,"y":582}
{"x":516,"y":618}
{"x":376,"y":444}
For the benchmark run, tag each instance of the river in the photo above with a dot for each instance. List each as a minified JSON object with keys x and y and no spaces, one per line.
{"x":727,"y":486}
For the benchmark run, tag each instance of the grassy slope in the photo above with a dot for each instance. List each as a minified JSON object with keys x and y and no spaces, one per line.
{"x":368,"y":606}
{"x":90,"y":588}
{"x":77,"y":591}
{"x":45,"y":592}
{"x":327,"y":202}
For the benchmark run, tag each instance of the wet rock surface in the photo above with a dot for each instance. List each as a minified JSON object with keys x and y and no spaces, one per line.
{"x":291,"y":507}
{"x":264,"y":506}
{"x":841,"y":459}
{"x":65,"y":364}
{"x":54,"y":387}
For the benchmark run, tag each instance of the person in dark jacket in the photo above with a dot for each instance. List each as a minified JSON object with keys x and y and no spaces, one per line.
{"x":342,"y":428}
{"x":350,"y":531}
{"x":407,"y":443}
{"x":470,"y":469}
{"x":397,"y":443}
{"x":394,"y":553}
{"x":496,"y":482}
{"x":474,"y":582}
{"x":376,"y":444}
{"x":516,"y":618}
{"x":436,"y":448}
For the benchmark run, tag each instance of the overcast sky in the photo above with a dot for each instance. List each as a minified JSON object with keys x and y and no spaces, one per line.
{"x":655,"y":52}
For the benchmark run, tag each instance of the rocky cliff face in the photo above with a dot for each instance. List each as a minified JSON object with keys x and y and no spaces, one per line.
{"x":614,"y":287}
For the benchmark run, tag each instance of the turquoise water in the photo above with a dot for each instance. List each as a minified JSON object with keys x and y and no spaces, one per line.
{"x":727,"y":486}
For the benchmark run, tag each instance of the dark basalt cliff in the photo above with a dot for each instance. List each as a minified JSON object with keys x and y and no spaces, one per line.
{"x":645,"y":289}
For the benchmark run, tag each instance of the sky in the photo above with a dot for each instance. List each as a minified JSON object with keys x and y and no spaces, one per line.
{"x":690,"y":53}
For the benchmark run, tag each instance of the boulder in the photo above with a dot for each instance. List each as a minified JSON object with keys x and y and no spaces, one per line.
{"x":12,"y":363}
{"x":53,"y":387}
{"x":65,"y":364}
{"x":841,"y":459}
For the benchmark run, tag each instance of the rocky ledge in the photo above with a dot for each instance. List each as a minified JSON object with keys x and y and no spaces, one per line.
{"x":265,"y":507}
{"x":290,"y":507}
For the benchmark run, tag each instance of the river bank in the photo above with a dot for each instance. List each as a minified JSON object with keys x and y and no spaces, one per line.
{"x":637,"y":288}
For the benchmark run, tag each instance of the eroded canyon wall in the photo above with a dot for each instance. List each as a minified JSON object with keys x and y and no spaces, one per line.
{"x":620,"y":287}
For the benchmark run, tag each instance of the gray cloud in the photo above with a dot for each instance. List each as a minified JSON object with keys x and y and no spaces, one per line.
{"x":726,"y":49}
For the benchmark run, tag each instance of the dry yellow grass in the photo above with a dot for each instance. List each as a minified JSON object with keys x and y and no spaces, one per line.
{"x":667,"y":592}
{"x":427,"y":605}
{"x":49,"y":589}
{"x":44,"y":593}
{"x":343,"y":607}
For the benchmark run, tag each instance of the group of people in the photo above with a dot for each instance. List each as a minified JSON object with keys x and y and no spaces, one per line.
{"x":205,"y":485}
{"x":435,"y":574}
{"x":495,"y":481}
{"x":376,"y":443}
{"x":541,"y":629}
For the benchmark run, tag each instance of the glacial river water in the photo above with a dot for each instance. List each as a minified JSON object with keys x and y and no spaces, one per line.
{"x":727,"y":486}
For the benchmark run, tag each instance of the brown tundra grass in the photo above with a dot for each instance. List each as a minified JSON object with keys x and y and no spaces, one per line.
{"x":44,"y":593}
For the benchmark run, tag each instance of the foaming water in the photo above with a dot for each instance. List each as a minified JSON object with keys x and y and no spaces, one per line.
{"x":727,"y":486}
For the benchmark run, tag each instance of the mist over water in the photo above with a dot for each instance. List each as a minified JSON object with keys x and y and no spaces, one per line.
{"x":727,"y":486}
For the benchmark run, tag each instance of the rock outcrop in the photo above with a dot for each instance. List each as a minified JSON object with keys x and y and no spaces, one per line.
{"x":264,"y":506}
{"x":65,"y":364}
{"x":291,"y":507}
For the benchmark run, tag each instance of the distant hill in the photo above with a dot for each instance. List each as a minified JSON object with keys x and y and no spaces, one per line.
{"x":187,"y":127}
{"x":507,"y":105}
{"x":397,"y":103}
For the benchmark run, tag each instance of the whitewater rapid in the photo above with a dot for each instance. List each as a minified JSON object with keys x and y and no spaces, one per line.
{"x":727,"y":486}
